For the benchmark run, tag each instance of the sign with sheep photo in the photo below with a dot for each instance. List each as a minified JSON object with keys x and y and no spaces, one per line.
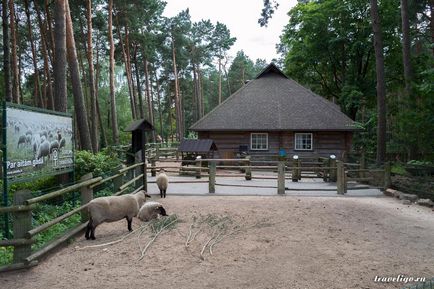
{"x":38,"y":143}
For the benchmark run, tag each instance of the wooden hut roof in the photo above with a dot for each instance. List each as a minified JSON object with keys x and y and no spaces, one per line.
{"x":140,"y":124}
{"x":197,"y":146}
{"x":273,"y":101}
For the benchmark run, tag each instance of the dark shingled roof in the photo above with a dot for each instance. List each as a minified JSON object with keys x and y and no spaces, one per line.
{"x":141,"y":124}
{"x":274,"y":102}
{"x":197,"y":146}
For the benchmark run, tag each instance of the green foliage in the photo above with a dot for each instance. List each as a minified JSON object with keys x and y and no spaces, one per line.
{"x":327,"y":46}
{"x":99,"y":164}
{"x":6,"y":253}
{"x":398,"y":169}
{"x":419,"y":163}
{"x":46,"y":213}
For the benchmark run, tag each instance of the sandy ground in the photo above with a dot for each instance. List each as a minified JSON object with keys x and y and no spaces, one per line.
{"x":295,"y":242}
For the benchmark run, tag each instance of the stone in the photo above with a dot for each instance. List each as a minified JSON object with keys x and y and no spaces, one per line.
{"x":406,"y":202}
{"x":425,"y":202}
{"x":390,"y":192}
{"x":410,"y":197}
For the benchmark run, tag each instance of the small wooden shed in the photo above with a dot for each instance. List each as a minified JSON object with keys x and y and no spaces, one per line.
{"x":138,"y":129}
{"x":191,"y":148}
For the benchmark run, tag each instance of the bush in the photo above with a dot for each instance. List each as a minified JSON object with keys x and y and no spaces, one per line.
{"x":100,"y":164}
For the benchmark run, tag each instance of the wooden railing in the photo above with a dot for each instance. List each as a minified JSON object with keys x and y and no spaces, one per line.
{"x":25,"y":203}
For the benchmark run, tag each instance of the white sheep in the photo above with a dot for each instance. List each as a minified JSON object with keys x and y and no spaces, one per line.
{"x":113,"y":208}
{"x":150,"y":210}
{"x":162,"y":183}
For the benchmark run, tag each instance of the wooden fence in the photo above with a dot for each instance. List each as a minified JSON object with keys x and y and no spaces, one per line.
{"x":25,"y":203}
{"x":129,"y":178}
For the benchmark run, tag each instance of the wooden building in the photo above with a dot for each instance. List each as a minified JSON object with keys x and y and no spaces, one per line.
{"x":272,"y":113}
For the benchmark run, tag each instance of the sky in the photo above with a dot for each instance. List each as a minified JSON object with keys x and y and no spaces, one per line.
{"x":241,"y":17}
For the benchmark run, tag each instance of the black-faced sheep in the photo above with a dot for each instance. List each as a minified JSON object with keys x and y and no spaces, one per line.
{"x":162,"y":183}
{"x":151,"y":210}
{"x":54,"y":145}
{"x":113,"y":208}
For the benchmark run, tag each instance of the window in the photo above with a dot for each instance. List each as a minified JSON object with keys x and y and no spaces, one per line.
{"x":259,"y":141}
{"x":303,"y":141}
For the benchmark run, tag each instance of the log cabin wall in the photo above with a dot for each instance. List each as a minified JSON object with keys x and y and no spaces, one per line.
{"x":325,"y":143}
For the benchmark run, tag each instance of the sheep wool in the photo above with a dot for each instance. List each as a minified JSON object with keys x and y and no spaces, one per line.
{"x":113,"y":208}
{"x":150,"y":211}
{"x":162,"y":183}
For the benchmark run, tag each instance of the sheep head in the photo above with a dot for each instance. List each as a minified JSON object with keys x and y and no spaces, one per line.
{"x":161,"y":210}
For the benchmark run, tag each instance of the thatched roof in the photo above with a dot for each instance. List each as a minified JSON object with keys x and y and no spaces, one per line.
{"x":274,"y":102}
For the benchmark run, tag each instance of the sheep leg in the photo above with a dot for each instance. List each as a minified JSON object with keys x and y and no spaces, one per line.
{"x":164,"y":193}
{"x":88,"y":229}
{"x":130,"y":221}
{"x":161,"y":193}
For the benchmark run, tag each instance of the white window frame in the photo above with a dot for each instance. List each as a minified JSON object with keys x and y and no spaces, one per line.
{"x":251,"y":141}
{"x":295,"y":141}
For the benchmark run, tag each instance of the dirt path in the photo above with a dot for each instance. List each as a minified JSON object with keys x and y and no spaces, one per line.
{"x":301,"y":243}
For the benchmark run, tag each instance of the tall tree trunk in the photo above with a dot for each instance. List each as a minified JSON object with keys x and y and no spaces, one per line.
{"x":160,"y":112}
{"x":48,"y":95}
{"x":431,"y":9}
{"x":59,"y":67}
{"x":14,"y":58}
{"x":127,"y":70}
{"x":50,"y":30}
{"x":93,"y":119}
{"x":200,"y":89}
{"x":227,"y":77}
{"x":130,"y":70}
{"x":195,"y":106}
{"x":381,"y":89}
{"x":113,"y":114}
{"x":220,"y":80}
{"x":406,"y":46}
{"x":37,"y":93}
{"x":79,"y":106}
{"x":102,"y":130}
{"x":139,"y":89}
{"x":6,"y":52}
{"x":150,"y":100}
{"x":178,"y":108}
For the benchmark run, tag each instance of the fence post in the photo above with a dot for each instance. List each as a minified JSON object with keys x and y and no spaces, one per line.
{"x":212,"y":165}
{"x":341,"y":182}
{"x":295,"y":164}
{"x":199,"y":167}
{"x":281,"y":178}
{"x":362,"y":165}
{"x":333,"y":172}
{"x":118,"y":181}
{"x":387,"y":179}
{"x":86,"y":195}
{"x":248,"y":170}
{"x":157,"y":151}
{"x":153,"y":170}
{"x":22,"y":224}
{"x":326,"y":172}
